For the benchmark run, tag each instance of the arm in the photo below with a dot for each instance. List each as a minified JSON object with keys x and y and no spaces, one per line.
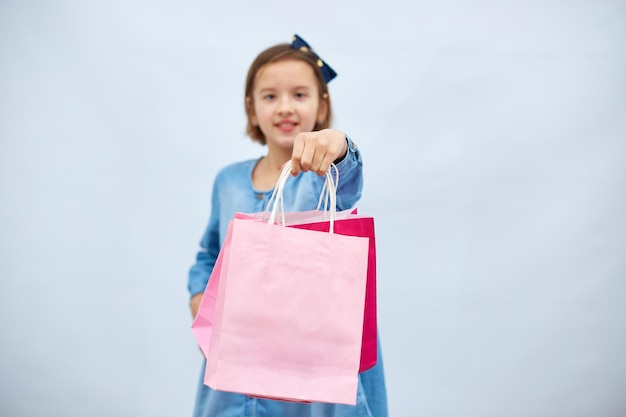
{"x":350,"y":177}
{"x":201,"y":270}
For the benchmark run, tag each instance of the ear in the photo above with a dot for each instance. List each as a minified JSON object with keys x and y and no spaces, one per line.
{"x":250,"y":111}
{"x":322,"y":110}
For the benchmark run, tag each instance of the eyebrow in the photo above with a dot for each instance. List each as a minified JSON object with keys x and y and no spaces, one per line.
{"x":300,"y":87}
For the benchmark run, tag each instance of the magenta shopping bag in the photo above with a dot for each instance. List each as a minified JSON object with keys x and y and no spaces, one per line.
{"x":356,"y":225}
{"x":350,"y":223}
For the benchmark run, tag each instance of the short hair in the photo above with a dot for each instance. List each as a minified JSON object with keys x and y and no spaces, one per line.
{"x":282,"y":52}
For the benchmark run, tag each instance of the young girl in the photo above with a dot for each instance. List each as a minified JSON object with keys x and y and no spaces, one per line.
{"x":288,"y":109}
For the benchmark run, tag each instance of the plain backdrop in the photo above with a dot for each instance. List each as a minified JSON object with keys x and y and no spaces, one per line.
{"x":494,"y":140}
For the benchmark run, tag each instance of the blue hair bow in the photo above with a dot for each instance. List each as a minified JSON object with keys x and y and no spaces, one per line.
{"x":327,"y":72}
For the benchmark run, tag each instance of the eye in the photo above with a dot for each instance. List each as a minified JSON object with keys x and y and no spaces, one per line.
{"x":269,"y":97}
{"x":300,"y":95}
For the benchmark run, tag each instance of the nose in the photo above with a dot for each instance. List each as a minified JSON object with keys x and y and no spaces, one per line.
{"x":285,"y":106}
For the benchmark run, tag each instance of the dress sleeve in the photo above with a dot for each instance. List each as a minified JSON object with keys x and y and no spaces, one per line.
{"x":350,"y":177}
{"x":209,"y":249}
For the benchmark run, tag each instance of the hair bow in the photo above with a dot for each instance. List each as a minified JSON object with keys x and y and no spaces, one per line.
{"x":327,"y":72}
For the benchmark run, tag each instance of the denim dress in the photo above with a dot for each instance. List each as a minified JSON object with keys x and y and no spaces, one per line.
{"x":233,"y":192}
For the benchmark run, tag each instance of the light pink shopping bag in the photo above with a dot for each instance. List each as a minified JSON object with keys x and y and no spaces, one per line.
{"x":202,"y":326}
{"x":288,"y":317}
{"x":348,"y":223}
{"x":285,"y":307}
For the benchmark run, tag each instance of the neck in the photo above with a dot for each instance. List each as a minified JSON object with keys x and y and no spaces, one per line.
{"x":267,"y":171}
{"x":276,"y":159}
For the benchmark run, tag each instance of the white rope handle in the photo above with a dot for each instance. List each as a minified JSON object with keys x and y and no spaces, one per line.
{"x":324,"y":195}
{"x":329,"y":194}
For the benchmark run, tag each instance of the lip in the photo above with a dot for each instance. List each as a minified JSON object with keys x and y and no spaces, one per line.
{"x":286,"y":125}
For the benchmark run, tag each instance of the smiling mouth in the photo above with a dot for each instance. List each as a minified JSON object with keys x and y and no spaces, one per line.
{"x":286,"y":126}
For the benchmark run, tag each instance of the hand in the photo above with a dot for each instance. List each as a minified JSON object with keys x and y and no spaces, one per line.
{"x":194,"y":304}
{"x":315,"y":151}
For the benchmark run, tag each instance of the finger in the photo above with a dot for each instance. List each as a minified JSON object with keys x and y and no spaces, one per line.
{"x":296,"y":155}
{"x":318,"y":164}
{"x":308,"y":152}
{"x":325,"y":165}
{"x":320,"y":146}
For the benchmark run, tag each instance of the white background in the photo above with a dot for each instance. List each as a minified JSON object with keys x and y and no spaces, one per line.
{"x":494,"y":139}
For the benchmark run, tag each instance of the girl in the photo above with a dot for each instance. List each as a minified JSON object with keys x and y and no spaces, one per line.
{"x":288,"y":109}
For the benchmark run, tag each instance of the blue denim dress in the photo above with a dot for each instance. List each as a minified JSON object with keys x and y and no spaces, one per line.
{"x":233,"y":192}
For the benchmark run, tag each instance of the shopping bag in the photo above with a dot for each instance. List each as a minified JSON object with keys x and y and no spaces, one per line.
{"x":202,"y":325}
{"x":350,"y":223}
{"x":347,"y":222}
{"x":288,"y":316}
{"x":356,"y":225}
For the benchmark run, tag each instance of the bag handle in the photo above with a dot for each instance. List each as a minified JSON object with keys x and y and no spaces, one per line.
{"x":324,"y":194}
{"x":328,"y":195}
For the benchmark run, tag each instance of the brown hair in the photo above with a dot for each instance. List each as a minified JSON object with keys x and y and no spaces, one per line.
{"x":277,"y":53}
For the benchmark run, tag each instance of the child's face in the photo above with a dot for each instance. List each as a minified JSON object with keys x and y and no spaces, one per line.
{"x":286,"y":101}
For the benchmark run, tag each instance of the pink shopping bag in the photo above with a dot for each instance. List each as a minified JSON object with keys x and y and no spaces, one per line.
{"x":348,"y":223}
{"x":202,"y":325}
{"x":288,"y":317}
